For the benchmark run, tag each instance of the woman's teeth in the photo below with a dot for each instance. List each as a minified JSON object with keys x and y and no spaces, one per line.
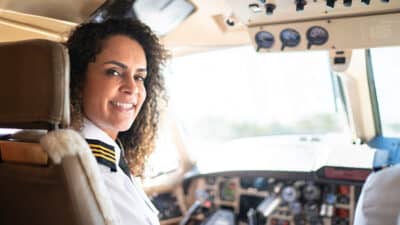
{"x":123,"y":105}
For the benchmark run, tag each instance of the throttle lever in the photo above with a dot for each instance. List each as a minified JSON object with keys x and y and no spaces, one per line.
{"x":271,"y":202}
{"x":202,"y":196}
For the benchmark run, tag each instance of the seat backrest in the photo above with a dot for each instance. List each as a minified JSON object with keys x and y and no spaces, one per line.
{"x":379,"y":202}
{"x":34,"y":84}
{"x":37,"y":187}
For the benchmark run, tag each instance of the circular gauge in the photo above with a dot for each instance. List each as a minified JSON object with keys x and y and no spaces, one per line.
{"x":290,"y":38}
{"x":289,"y":194}
{"x":295,"y":208}
{"x":311,"y":192}
{"x":317,"y":35}
{"x":260,"y":183}
{"x":311,"y":211}
{"x":264,"y":39}
{"x":246,"y":182}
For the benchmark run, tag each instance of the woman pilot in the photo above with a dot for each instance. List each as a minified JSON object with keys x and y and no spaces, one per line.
{"x":116,"y":88}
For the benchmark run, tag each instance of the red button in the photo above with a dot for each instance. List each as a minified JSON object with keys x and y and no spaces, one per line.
{"x":342,"y":213}
{"x":344,"y":189}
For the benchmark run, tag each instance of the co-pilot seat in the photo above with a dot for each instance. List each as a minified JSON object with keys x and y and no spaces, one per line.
{"x":379,"y":202}
{"x":47,"y":174}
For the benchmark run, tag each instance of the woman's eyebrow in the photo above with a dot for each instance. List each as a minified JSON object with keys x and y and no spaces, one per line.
{"x":141,"y":70}
{"x":116,"y":63}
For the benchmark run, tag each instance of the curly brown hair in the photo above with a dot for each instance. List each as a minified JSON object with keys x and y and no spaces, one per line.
{"x":84,"y":44}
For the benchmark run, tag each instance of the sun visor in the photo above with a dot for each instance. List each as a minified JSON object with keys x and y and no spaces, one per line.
{"x":163,"y":15}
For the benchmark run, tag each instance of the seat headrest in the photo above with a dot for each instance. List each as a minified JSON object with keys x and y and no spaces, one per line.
{"x":34,"y":84}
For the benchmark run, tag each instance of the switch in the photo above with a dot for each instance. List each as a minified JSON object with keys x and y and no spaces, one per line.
{"x":300,"y":5}
{"x":339,"y":60}
{"x":330,"y":3}
{"x":269,"y":8}
{"x":347,"y":3}
{"x":366,"y":1}
{"x":255,"y":8}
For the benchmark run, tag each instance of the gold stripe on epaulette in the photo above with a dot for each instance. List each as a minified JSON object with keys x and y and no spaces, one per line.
{"x":102,"y":148}
{"x":103,"y":152}
{"x":104,"y":157}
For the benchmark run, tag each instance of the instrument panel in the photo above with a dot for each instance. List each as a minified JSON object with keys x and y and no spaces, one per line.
{"x":289,"y":201}
{"x":299,"y":25}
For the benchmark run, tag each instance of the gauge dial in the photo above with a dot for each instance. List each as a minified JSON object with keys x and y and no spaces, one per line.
{"x":295,"y":208}
{"x":246,"y":182}
{"x":289,"y":194}
{"x":264,"y":39}
{"x":317,"y":35}
{"x":260,"y":183}
{"x":311,"y":192}
{"x":290,"y":38}
{"x":311,"y":211}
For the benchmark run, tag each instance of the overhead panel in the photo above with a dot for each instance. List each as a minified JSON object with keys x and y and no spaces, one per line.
{"x":282,"y":25}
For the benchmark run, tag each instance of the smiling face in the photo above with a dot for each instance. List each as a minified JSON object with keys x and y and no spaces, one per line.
{"x":114,"y":90}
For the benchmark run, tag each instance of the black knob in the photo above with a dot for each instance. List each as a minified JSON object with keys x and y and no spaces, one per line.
{"x":269,"y":8}
{"x":300,"y":5}
{"x":330,"y":3}
{"x":366,"y":1}
{"x":230,"y":22}
{"x":347,"y":3}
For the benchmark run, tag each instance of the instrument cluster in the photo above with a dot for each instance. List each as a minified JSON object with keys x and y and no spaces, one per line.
{"x":289,"y":37}
{"x":277,"y":201}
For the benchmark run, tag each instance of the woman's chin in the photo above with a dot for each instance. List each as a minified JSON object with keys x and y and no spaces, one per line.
{"x":124,"y":127}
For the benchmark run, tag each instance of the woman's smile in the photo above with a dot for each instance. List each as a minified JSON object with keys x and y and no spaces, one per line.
{"x":123,"y":105}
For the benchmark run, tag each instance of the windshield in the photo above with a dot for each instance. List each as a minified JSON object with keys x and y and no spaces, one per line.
{"x":234,"y":93}
{"x":387,"y":75}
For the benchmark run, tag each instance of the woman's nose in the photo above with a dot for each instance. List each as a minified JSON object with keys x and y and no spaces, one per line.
{"x":129,"y":86}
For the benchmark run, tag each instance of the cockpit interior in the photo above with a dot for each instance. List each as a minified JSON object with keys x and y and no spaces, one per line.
{"x":279,"y":112}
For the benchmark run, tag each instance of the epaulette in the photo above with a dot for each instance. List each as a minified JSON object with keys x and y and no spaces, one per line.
{"x":104,"y":153}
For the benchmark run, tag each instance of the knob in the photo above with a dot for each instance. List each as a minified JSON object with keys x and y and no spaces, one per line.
{"x":269,"y":8}
{"x":300,"y":5}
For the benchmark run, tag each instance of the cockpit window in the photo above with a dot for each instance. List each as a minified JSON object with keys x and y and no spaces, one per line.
{"x":234,"y":93}
{"x":5,"y":131}
{"x":386,"y":73}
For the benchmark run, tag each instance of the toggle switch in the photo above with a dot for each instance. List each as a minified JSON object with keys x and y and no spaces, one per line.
{"x":255,"y":8}
{"x":347,"y":3}
{"x":366,"y":1}
{"x":330,"y":3}
{"x":269,"y":8}
{"x":300,"y":5}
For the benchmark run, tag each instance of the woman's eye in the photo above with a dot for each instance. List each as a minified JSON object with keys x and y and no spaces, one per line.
{"x":139,"y":78}
{"x":113,"y":72}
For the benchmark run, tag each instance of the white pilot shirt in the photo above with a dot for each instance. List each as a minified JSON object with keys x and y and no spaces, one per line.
{"x":131,"y":204}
